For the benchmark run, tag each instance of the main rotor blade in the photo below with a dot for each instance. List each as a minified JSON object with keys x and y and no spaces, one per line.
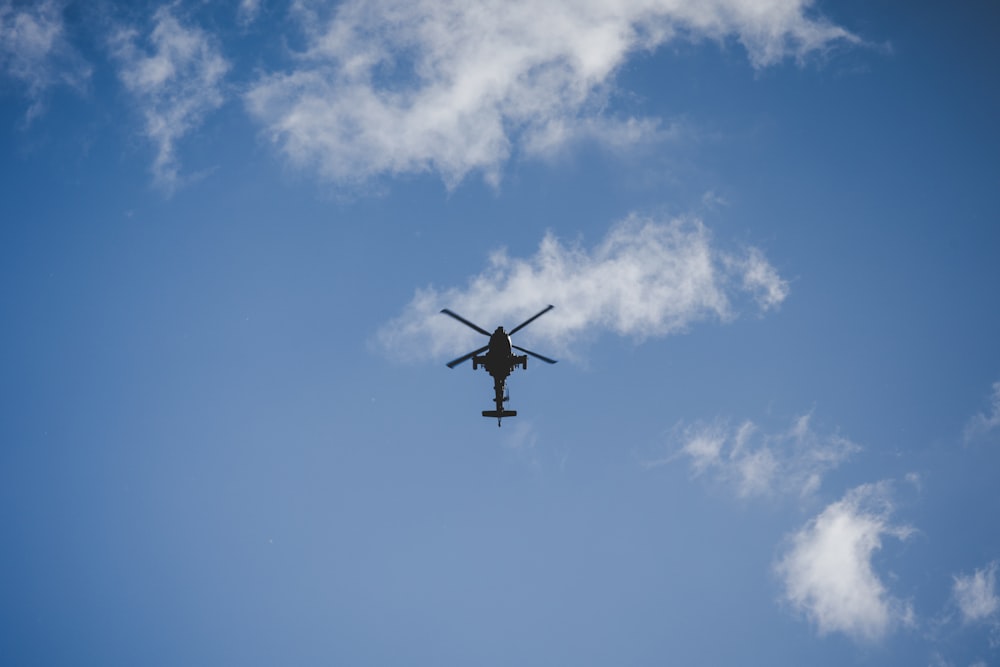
{"x":456,"y":362}
{"x":534,"y":354}
{"x":467,"y":322}
{"x":529,"y":321}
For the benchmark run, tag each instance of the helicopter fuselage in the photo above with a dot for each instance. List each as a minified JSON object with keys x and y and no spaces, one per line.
{"x":500,"y":361}
{"x":498,"y":358}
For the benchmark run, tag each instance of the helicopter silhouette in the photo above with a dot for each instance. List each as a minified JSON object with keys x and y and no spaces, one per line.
{"x":499,"y":360}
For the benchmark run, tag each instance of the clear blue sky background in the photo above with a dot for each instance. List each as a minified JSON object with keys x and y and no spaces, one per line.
{"x":771,"y":233}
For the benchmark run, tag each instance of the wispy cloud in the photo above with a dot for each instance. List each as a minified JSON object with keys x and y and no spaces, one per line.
{"x":34,"y":50}
{"x":976,"y":594}
{"x":756,"y":463}
{"x":176,"y":82}
{"x":645,"y":278}
{"x":827,"y":572}
{"x":248,"y":11}
{"x":521,"y":438}
{"x":982,"y":424}
{"x":404,"y":86}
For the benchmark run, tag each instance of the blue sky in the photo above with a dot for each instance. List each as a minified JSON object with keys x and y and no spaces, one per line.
{"x":770,"y":233}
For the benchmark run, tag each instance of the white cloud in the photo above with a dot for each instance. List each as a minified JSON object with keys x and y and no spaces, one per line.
{"x":176,"y":83}
{"x":762,"y":464}
{"x":248,"y":11}
{"x":983,"y":424}
{"x":34,"y":50}
{"x":761,"y":279}
{"x":646,"y":278}
{"x":712,"y":200}
{"x":827,"y":572}
{"x":404,"y":86}
{"x":976,"y":594}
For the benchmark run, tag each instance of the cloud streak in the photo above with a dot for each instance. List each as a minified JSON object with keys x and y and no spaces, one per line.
{"x":35,"y":51}
{"x":410,"y":86}
{"x":176,"y":82}
{"x":827,"y":572}
{"x":759,"y":464}
{"x":646,"y":278}
{"x":983,"y":424}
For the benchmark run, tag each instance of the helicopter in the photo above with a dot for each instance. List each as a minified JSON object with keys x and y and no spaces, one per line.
{"x":499,"y":360}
